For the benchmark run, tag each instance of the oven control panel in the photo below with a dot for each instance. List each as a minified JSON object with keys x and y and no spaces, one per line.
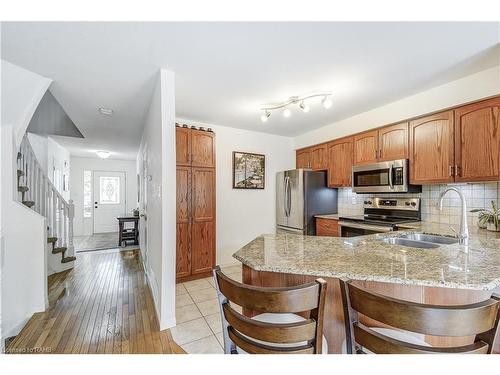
{"x":410,"y":204}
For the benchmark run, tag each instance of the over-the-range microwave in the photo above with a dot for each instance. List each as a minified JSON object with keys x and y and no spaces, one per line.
{"x":384,"y":177}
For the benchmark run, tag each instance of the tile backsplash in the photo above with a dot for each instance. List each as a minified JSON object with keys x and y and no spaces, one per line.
{"x":477,"y":195}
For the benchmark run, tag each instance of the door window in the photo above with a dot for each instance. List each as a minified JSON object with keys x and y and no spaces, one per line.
{"x":109,"y":190}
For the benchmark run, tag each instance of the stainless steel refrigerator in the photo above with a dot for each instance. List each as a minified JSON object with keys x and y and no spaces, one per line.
{"x":301,"y":194}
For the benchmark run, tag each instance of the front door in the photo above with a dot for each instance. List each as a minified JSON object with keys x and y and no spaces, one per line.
{"x":109,"y":200}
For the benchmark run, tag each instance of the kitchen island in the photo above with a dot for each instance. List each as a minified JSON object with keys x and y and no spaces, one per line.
{"x":447,"y":275}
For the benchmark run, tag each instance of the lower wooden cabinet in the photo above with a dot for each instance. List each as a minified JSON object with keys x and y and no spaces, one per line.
{"x":327,"y":227}
{"x":202,"y":247}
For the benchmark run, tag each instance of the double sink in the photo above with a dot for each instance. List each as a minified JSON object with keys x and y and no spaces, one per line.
{"x":421,"y":240}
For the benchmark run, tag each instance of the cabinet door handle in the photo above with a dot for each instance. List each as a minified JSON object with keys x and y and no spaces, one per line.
{"x":457,"y":171}
{"x":451,"y":170}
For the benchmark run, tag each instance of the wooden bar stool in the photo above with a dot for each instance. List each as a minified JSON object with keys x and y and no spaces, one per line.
{"x":278,"y":329}
{"x":479,"y":319}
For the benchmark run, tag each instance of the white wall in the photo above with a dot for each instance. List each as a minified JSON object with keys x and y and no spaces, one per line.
{"x":84,"y":226}
{"x":23,"y":261}
{"x":157,"y":237}
{"x":243,"y":215}
{"x":476,"y":86}
{"x":24,"y":269}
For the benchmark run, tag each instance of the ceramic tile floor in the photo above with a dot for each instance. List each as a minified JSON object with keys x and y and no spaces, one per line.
{"x":199,"y":329}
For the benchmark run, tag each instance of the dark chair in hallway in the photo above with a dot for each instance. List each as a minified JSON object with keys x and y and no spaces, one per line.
{"x":277,"y":329}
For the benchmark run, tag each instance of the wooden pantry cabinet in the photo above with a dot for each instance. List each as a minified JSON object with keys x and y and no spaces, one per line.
{"x":387,"y":143}
{"x":195,"y":219}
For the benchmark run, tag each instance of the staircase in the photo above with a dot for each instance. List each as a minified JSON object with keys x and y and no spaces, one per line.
{"x":37,"y":192}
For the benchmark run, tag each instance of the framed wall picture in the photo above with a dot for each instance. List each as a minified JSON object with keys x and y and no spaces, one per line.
{"x":249,"y":170}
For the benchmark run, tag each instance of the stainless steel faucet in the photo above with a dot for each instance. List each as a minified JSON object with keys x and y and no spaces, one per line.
{"x":463,"y":235}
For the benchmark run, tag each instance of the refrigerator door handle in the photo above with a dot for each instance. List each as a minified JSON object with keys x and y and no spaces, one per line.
{"x":285,"y":196}
{"x":289,"y":197}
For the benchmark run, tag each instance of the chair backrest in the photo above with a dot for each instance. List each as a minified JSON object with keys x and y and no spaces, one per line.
{"x":479,"y":319}
{"x":253,"y":336}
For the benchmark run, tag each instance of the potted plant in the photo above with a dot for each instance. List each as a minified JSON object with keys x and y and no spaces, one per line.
{"x":135,"y":212}
{"x":489,"y":218}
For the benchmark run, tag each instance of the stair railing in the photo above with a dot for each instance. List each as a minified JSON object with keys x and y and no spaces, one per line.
{"x":35,"y":190}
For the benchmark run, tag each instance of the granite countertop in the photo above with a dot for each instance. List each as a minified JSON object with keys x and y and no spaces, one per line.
{"x":369,"y":258}
{"x":328,"y":216}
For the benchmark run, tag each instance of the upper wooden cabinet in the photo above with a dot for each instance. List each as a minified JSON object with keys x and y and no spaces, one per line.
{"x":195,"y":148}
{"x":183,"y":146}
{"x":431,"y":149}
{"x":477,"y":141}
{"x":202,"y":149}
{"x":366,"y":147}
{"x":319,"y":157}
{"x":303,"y":158}
{"x":340,"y":158}
{"x":314,"y":158}
{"x":393,"y":142}
{"x":387,"y":143}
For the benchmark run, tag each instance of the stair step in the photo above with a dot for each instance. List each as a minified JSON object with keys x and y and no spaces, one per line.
{"x":22,"y":189}
{"x":68,"y":259}
{"x":57,"y":250}
{"x":51,"y":239}
{"x":20,"y":173}
{"x":29,"y":203}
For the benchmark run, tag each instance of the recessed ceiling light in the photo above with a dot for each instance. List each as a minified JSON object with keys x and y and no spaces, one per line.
{"x":287,"y":112}
{"x":103,"y":154}
{"x":106,"y":111}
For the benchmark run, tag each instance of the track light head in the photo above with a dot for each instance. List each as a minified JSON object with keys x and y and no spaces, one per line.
{"x":327,"y":102}
{"x":304,"y":107}
{"x":265,"y":116}
{"x":287,"y":112}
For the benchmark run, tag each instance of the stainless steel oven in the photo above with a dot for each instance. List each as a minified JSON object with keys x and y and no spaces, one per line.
{"x":380,"y":215}
{"x":383,"y":177}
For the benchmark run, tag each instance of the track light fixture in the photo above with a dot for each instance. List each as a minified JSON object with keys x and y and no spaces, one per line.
{"x":265,"y":116}
{"x":299,"y":100}
{"x":327,"y":102}
{"x":304,"y":107}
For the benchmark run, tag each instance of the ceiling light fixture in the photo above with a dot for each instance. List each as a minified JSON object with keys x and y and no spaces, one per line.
{"x":304,"y":107}
{"x":106,"y":111}
{"x":265,"y":116}
{"x":300,"y":101}
{"x":103,"y":154}
{"x":327,"y":102}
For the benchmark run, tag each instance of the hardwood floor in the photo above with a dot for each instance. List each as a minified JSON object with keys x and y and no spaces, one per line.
{"x":103,"y":305}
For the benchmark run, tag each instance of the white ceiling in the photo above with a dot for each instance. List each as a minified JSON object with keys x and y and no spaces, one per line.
{"x":224,"y":71}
